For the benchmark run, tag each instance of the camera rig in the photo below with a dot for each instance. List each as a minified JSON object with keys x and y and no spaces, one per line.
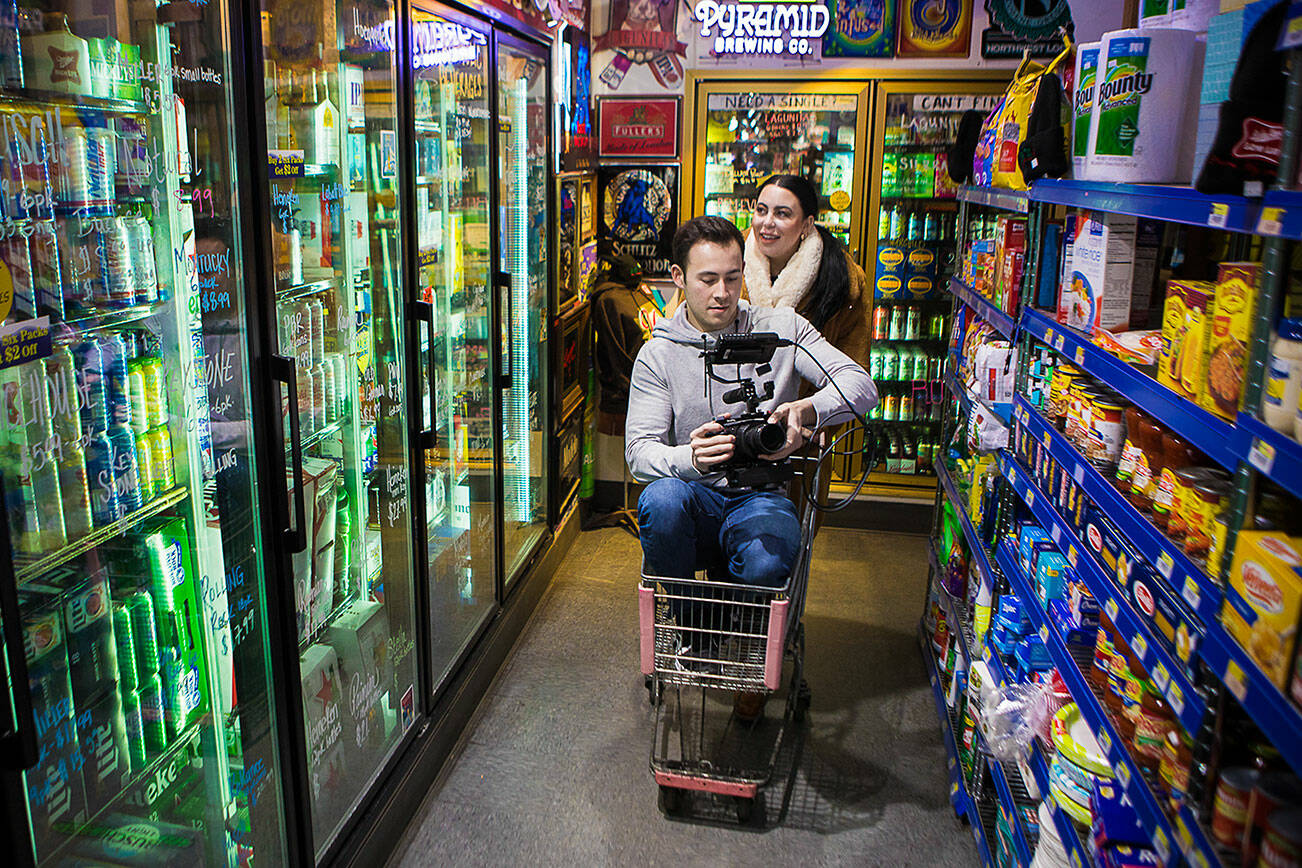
{"x":754,"y":434}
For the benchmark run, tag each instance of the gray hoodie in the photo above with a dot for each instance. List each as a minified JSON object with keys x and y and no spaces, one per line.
{"x":670,"y":396}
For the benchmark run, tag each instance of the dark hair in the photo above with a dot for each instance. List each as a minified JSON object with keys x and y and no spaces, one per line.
{"x":831,"y":287}
{"x":711,"y":229}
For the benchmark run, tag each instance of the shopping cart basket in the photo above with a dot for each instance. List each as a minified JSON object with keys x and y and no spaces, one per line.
{"x":700,"y":636}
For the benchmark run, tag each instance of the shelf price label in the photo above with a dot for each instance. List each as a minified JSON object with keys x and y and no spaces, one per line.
{"x":1140,"y":646}
{"x":1162,"y":845}
{"x":1080,"y":355}
{"x":1160,"y":676}
{"x":1219,"y":218}
{"x":1261,"y":455}
{"x":1175,"y":696}
{"x":1183,"y":834}
{"x":953,"y":789}
{"x":1030,"y":498}
{"x":1059,"y":342}
{"x":1044,"y":634}
{"x":1079,"y":474}
{"x":1165,"y":565}
{"x":1105,"y":742}
{"x":1271,"y":221}
{"x":1123,"y":775}
{"x":1048,"y":336}
{"x":1056,"y":533}
{"x":1111,"y":608}
{"x":1235,"y":681}
{"x":1190,"y":592}
{"x":1075,"y":860}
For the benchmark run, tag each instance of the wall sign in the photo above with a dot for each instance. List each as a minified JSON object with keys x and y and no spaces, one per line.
{"x":860,"y":28}
{"x":934,"y":28}
{"x":752,"y":28}
{"x":639,"y":211}
{"x":638,"y":128}
{"x":641,"y":36}
{"x":1014,"y":28}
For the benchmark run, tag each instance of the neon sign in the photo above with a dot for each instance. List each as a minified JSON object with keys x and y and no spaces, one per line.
{"x":437,"y":43}
{"x":762,"y":28}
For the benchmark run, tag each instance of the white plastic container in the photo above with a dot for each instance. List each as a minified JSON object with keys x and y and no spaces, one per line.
{"x":1279,"y":400}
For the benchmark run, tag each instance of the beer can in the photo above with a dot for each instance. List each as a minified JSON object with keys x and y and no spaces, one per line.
{"x":72,"y":170}
{"x":175,"y":707}
{"x":123,"y":638}
{"x":114,"y":366}
{"x":141,"y":238}
{"x":153,"y":714}
{"x":144,"y":631}
{"x":155,"y":395}
{"x":139,"y":404}
{"x":74,"y":487}
{"x":61,"y":388}
{"x":101,"y":169}
{"x":16,"y":259}
{"x":135,"y":729}
{"x":146,"y":478}
{"x":105,"y":505}
{"x":341,"y":382}
{"x":160,"y":449}
{"x":126,"y":468}
{"x":119,"y":271}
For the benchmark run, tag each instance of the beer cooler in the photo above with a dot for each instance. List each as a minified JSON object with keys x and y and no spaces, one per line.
{"x":273,"y":394}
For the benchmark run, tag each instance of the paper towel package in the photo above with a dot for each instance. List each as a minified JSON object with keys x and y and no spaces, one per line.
{"x":1143,"y":101}
{"x":1087,"y":63}
{"x":1110,"y":272}
{"x":1154,"y":13}
{"x":1193,"y":15}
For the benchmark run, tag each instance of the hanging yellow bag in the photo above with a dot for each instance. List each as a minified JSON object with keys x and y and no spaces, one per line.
{"x":1034,"y":110}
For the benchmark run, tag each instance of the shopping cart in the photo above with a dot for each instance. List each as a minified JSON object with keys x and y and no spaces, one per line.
{"x":702,"y":637}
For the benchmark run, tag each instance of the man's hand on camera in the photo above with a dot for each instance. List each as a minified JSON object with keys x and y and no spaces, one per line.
{"x":711,"y":447}
{"x":794,"y":416}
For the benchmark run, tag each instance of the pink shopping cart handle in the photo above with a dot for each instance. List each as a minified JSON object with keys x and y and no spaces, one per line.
{"x":646,"y":612}
{"x":706,"y":785}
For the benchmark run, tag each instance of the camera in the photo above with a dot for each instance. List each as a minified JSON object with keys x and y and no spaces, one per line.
{"x":755,"y":434}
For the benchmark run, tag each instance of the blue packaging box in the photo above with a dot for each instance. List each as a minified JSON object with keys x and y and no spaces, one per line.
{"x":1051,"y":571}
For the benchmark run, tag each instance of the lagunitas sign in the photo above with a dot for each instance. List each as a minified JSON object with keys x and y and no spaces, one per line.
{"x":794,"y":29}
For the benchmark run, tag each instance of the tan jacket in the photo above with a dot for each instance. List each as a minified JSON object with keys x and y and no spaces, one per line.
{"x":848,"y":329}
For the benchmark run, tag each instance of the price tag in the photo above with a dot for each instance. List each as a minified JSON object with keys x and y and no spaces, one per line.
{"x":1075,"y":860}
{"x":1056,"y":533}
{"x":1261,"y":455}
{"x":1235,"y":681}
{"x":1140,"y":646}
{"x":1071,"y":556}
{"x":1012,"y":474}
{"x":1162,"y":845}
{"x":1160,"y":676}
{"x":1111,"y":608}
{"x":1183,"y":833}
{"x":1046,"y":439}
{"x":1165,"y":565}
{"x":1030,"y":498}
{"x":953,"y":789}
{"x":1218,"y":218}
{"x":1048,"y":336}
{"x":1271,"y":221}
{"x":1058,"y":344}
{"x":1199,"y":860}
{"x":1190,"y":592}
{"x":1080,"y":355}
{"x":951,"y":762}
{"x":1044,"y":634}
{"x":1105,"y":742}
{"x":1079,"y":474}
{"x":1123,"y":774}
{"x":1175,"y":696}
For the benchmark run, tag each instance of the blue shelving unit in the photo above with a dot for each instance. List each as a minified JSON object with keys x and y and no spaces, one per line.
{"x":1173,"y":204}
{"x":1167,"y":672}
{"x":958,"y":797}
{"x":1128,"y":776}
{"x":1077,"y":854}
{"x":974,"y":543}
{"x":1220,"y":440}
{"x":967,"y":400}
{"x":1021,"y":849}
{"x":1182,"y":575}
{"x":1274,"y":454}
{"x":1281,"y":214}
{"x":1002,"y":322}
{"x":1278,"y":718}
{"x":996,"y":197}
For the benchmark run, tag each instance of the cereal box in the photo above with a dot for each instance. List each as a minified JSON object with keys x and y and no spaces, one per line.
{"x":1229,"y":337}
{"x":1263,"y":600}
{"x":1186,"y":318}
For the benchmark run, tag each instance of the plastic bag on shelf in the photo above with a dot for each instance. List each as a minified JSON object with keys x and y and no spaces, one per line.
{"x":1014,"y":718}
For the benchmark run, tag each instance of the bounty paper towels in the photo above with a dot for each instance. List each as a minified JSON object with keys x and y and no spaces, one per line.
{"x":1144,"y":86}
{"x":1087,"y":62}
{"x":1195,"y":15}
{"x":1154,"y":13}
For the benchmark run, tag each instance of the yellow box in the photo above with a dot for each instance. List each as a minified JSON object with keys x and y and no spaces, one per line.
{"x":1263,"y":600}
{"x":1186,"y":316}
{"x":1230,"y":336}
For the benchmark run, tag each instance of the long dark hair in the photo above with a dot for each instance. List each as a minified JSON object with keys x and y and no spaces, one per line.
{"x":831,"y":287}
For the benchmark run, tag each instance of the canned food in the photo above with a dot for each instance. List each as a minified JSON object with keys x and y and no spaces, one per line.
{"x":1063,"y":376}
{"x":1182,"y":505}
{"x":1281,"y":846}
{"x":1230,"y":805}
{"x":1106,"y":433}
{"x":1209,"y":498}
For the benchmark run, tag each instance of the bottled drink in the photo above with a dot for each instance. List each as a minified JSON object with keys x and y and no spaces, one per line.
{"x":160,"y":453}
{"x":343,"y":541}
{"x":914,"y":232}
{"x":153,"y":714}
{"x":884,"y":223}
{"x":899,"y":320}
{"x":930,"y":227}
{"x":126,"y":649}
{"x":139,"y":401}
{"x":891,"y":406}
{"x":895,"y":224}
{"x":894,"y":454}
{"x":881,"y":322}
{"x":909,"y":454}
{"x":155,"y":393}
{"x":126,"y":468}
{"x":913,"y":323}
{"x":906,"y":404}
{"x":341,"y":382}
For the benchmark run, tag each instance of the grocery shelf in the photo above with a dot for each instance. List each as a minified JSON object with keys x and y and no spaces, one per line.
{"x":1281,"y":214}
{"x":1272,"y":711}
{"x":1128,"y":775}
{"x":1273,"y":454}
{"x":1002,"y":322}
{"x":1167,"y":672}
{"x":996,"y":197}
{"x":968,"y":400}
{"x":1021,"y":847}
{"x":1160,"y":202}
{"x":1218,"y":439}
{"x":1183,"y":576}
{"x":958,"y":797}
{"x":1077,"y":854}
{"x":974,"y":543}
{"x":78,"y":103}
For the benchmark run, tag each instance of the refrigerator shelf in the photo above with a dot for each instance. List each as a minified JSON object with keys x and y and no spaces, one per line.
{"x":77,"y":102}
{"x":994,"y":197}
{"x":318,"y":437}
{"x":26,"y":572}
{"x":302,"y":290}
{"x":94,"y":319}
{"x":311,"y":638}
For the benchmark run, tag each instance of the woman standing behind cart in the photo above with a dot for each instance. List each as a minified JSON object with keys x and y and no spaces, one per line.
{"x":791,"y":261}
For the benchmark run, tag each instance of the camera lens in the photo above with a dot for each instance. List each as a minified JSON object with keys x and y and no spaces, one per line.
{"x":760,"y":438}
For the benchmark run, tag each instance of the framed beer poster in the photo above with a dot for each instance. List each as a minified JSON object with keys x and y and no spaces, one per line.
{"x":638,"y":128}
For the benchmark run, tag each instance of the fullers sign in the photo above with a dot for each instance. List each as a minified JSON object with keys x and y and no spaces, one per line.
{"x":762,"y":28}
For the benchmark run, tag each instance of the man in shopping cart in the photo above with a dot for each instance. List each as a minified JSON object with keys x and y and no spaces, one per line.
{"x":689,"y":516}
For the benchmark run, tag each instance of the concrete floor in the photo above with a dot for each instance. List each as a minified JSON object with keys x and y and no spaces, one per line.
{"x":553,"y":771}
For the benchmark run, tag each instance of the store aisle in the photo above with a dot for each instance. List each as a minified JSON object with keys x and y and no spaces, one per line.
{"x":554,"y":768}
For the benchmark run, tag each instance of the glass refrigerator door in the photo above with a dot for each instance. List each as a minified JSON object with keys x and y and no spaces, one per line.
{"x":132,"y":567}
{"x":522,"y":125}
{"x":331,"y":103}
{"x":751,"y":133}
{"x":910,"y":266}
{"x":453,"y":171}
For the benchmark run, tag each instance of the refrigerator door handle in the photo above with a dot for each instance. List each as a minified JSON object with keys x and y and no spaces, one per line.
{"x":285,"y":370}
{"x":18,"y":747}
{"x":424,"y":312}
{"x":503,"y":281}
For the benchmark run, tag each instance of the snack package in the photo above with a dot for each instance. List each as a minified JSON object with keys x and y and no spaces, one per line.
{"x":1229,"y":337}
{"x":1263,"y":600}
{"x":1186,"y":317}
{"x":1140,"y":347}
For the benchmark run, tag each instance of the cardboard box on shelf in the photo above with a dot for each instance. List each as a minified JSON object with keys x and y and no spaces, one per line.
{"x":1263,"y":600}
{"x":1229,"y":337}
{"x":1111,"y":272}
{"x":1186,"y":318}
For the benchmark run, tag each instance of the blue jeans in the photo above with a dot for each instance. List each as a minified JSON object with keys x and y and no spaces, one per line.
{"x":751,"y":537}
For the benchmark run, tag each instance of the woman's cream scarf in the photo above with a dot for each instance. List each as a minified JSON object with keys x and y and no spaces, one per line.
{"x":793,"y":282}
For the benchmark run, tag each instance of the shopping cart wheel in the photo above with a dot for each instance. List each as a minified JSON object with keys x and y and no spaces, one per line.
{"x":653,"y":695}
{"x":750,"y":812}
{"x":671,"y":801}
